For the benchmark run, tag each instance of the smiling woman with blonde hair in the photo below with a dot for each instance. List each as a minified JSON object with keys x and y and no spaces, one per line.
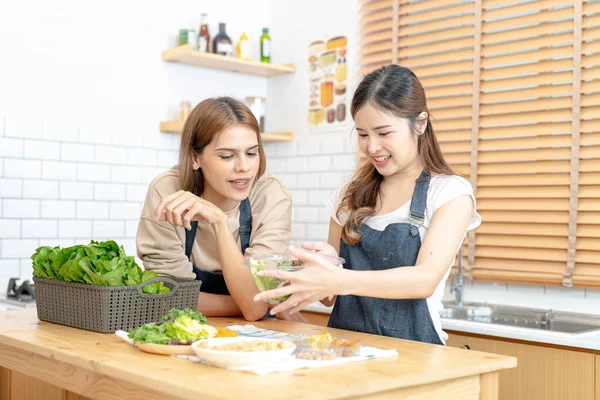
{"x":201,"y":217}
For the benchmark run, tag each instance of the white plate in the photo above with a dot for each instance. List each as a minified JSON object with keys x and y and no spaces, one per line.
{"x":224,"y":358}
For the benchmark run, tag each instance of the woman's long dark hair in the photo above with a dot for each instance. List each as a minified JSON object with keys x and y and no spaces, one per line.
{"x":397,"y":91}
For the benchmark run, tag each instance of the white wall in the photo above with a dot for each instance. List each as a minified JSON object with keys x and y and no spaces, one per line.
{"x":99,"y":62}
{"x":314,"y":164}
{"x":82,"y":91}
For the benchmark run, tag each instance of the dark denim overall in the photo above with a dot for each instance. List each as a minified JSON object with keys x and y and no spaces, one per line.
{"x":396,"y":246}
{"x":213,"y":282}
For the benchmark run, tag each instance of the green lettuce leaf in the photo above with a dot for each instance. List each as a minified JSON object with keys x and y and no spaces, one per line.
{"x":98,"y":263}
{"x":187,"y":329}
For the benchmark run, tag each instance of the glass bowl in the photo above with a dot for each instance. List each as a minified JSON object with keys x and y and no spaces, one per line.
{"x":280,"y":261}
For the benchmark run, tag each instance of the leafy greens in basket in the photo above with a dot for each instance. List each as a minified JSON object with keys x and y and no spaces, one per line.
{"x":98,"y":263}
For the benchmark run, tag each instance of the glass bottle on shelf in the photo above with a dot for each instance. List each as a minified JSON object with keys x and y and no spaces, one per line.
{"x":265,"y":46}
{"x":222,"y":43}
{"x":243,"y":47}
{"x":203,"y":35}
{"x":183,"y":37}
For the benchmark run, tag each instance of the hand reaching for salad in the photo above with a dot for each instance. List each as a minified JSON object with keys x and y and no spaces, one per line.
{"x":314,"y":282}
{"x":322,"y":248}
{"x":182,"y":207}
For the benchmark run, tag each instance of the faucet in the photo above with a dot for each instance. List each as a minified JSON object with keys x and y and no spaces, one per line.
{"x":457,"y":284}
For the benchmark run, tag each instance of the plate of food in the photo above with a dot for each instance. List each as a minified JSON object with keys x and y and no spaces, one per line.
{"x":281,"y":261}
{"x":243,"y":351}
{"x":174,"y":333}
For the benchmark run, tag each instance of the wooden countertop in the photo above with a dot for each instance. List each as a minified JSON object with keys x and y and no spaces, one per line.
{"x":85,"y":362}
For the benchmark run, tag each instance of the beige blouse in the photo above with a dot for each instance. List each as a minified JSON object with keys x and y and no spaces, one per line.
{"x":161,"y":246}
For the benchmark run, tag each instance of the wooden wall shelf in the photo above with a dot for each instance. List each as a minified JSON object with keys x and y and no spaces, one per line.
{"x":185,"y":55}
{"x":176,"y":126}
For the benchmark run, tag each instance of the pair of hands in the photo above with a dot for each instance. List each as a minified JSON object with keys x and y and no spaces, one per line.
{"x":182,"y":207}
{"x":316,"y":281}
{"x":308,"y":285}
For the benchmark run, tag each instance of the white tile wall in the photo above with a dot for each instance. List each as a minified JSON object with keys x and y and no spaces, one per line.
{"x":167,"y":159}
{"x":93,"y":172}
{"x":59,"y":170}
{"x":18,"y":248}
{"x":93,"y":210}
{"x":11,"y":187}
{"x":77,"y":152}
{"x":125,"y":211}
{"x":76,"y":191}
{"x":111,"y":155}
{"x":136,"y":192}
{"x":10,"y":228}
{"x":58,"y":209}
{"x":131,"y":228}
{"x":319,"y":163}
{"x":42,"y":149}
{"x":40,"y":228}
{"x":307,"y":167}
{"x":40,"y":189}
{"x":110,"y":229}
{"x":10,"y":268}
{"x":148,"y":173}
{"x":93,"y":135}
{"x":18,"y":168}
{"x":61,"y":184}
{"x":126,"y":174}
{"x":21,"y":208}
{"x":11,"y":147}
{"x":536,"y":296}
{"x":142,"y":157}
{"x":69,"y":229}
{"x":109,"y":191}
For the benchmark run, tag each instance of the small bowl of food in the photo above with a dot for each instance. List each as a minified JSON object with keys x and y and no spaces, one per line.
{"x":325,"y":347}
{"x":279,"y":261}
{"x":243,"y":351}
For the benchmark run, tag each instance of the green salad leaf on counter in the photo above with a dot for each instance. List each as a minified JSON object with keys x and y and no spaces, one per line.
{"x":176,"y":327}
{"x":175,"y":313}
{"x":98,"y":263}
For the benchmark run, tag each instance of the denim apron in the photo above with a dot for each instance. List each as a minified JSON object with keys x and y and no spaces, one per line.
{"x":214,"y":282}
{"x":396,"y":246}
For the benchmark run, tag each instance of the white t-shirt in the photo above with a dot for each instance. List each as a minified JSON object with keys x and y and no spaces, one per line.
{"x":442,"y":189}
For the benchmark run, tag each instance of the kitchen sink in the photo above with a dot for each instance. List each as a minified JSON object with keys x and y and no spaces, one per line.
{"x":522,"y":317}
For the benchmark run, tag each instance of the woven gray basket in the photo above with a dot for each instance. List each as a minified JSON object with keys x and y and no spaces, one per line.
{"x":110,"y":308}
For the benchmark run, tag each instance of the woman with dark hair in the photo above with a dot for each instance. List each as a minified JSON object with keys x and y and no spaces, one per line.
{"x":399,"y":222}
{"x":202,"y":216}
